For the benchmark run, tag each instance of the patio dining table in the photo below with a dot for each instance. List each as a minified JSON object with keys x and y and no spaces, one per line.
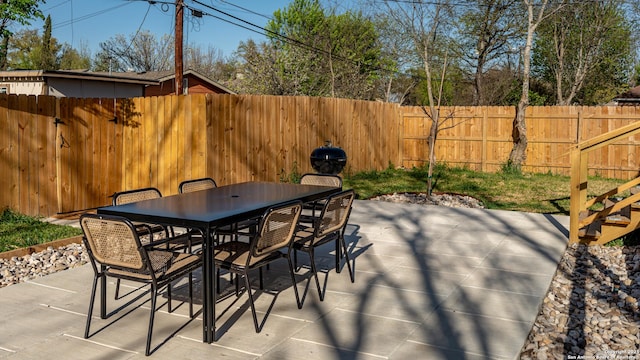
{"x":206,"y":210}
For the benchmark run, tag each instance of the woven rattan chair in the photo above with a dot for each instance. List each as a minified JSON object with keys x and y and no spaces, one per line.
{"x":196,"y":185}
{"x":272,"y":242}
{"x":321,"y":180}
{"x":151,"y":232}
{"x":329,"y":227}
{"x":310,"y":210}
{"x":131,"y":196}
{"x":115,"y":250}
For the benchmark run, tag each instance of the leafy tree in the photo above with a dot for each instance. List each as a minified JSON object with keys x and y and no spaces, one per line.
{"x":257,"y":73}
{"x":72,"y":59}
{"x":314,"y":52}
{"x":27,"y":51}
{"x":426,"y":25}
{"x":582,"y":43}
{"x":11,"y":12}
{"x":24,"y":50}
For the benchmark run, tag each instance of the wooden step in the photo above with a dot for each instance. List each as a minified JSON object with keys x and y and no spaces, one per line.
{"x":622,"y":217}
{"x":591,"y":231}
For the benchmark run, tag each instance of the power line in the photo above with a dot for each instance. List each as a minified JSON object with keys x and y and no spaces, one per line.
{"x":266,"y":31}
{"x":88,"y":16}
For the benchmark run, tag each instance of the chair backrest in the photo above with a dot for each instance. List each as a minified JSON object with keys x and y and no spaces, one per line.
{"x":196,"y":185}
{"x":321,"y":180}
{"x":130,"y":196}
{"x":335,"y":213}
{"x":277,"y":228}
{"x":112,"y":241}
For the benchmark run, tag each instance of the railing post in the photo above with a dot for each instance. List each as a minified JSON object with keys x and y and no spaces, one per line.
{"x":578,"y":194}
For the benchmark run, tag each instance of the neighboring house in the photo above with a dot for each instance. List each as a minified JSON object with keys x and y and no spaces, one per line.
{"x":629,"y":98}
{"x":86,"y":84}
{"x":67,"y":83}
{"x":194,"y":83}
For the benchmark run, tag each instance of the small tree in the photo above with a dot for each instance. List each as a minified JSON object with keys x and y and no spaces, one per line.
{"x":424,"y":23}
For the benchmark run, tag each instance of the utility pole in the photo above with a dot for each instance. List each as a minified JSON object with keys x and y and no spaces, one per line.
{"x":178,"y":46}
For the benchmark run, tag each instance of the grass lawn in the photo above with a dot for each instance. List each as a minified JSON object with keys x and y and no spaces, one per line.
{"x":538,"y":193}
{"x":18,"y":231}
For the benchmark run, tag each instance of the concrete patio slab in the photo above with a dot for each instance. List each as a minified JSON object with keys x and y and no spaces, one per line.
{"x":431,"y":283}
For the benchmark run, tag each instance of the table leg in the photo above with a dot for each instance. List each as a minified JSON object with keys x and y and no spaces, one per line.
{"x":208,"y":289}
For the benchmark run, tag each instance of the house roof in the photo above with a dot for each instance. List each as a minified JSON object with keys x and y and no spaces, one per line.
{"x":162,"y":76}
{"x":633,"y":95}
{"x":22,"y":75}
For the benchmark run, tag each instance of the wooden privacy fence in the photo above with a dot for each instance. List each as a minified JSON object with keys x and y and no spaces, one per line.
{"x":480,"y":138}
{"x":60,"y":155}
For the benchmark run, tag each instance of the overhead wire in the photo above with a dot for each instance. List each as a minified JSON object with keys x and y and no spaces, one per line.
{"x":264,"y":31}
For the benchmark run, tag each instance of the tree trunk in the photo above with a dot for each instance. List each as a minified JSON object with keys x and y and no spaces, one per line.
{"x":519,"y":135}
{"x":433,"y":134}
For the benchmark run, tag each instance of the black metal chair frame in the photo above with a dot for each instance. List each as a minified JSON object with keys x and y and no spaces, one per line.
{"x":145,"y":271}
{"x":253,"y":250}
{"x":316,"y":206}
{"x":325,"y":230}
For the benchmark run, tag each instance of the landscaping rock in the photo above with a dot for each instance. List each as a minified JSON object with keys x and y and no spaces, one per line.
{"x":590,"y":289}
{"x":28,"y":267}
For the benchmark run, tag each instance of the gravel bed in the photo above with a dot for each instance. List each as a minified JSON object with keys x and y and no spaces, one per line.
{"x":591,"y":308}
{"x":22,"y":268}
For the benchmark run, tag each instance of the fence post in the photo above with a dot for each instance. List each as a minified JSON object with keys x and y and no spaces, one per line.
{"x":58,"y":157}
{"x":483,"y":161}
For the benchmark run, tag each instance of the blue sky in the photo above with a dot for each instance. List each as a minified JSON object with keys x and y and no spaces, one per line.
{"x":90,"y":22}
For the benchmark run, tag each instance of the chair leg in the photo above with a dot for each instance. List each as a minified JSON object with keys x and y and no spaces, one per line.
{"x":253,"y":307}
{"x":91,"y":303}
{"x":170,"y":310}
{"x":191,"y":295}
{"x":314,"y":272}
{"x":293,"y":282}
{"x":261,"y":279}
{"x":117,"y":296}
{"x":154,"y":294}
{"x":338,"y":255}
{"x":346,"y":255}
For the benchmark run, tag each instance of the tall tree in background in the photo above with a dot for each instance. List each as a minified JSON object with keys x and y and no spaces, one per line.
{"x":489,"y":31}
{"x":24,"y":50}
{"x":313,"y":52}
{"x":11,"y":12}
{"x":72,"y":59}
{"x":141,"y":52}
{"x":297,"y":34}
{"x":257,"y":75}
{"x":47,"y":51}
{"x":536,"y":13}
{"x":27,"y":53}
{"x":583,"y":41}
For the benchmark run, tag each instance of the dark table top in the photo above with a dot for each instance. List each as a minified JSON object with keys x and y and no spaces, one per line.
{"x":218,"y":206}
